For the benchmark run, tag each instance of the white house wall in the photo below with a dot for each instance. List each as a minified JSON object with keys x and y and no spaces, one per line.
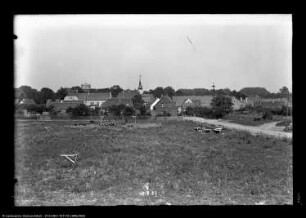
{"x":89,"y":103}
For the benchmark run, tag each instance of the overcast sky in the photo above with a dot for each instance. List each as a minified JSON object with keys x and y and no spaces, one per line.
{"x":234,"y":51}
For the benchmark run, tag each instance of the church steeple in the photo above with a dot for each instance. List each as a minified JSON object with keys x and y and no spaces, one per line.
{"x":140,"y":85}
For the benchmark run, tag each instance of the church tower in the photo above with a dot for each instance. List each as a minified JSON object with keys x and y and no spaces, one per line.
{"x":140,"y":90}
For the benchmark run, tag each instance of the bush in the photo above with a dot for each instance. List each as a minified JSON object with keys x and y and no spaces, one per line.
{"x":199,"y":111}
{"x":267,"y":115}
{"x":128,"y":111}
{"x":81,"y":110}
{"x":221,"y":106}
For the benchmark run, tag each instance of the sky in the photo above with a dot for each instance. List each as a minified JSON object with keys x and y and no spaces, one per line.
{"x":231,"y":51}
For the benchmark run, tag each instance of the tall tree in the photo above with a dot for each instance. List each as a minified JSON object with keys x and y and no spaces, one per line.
{"x":158,"y":92}
{"x":45,"y":94}
{"x":61,"y":93}
{"x":284,"y":92}
{"x":115,"y":90}
{"x":169,"y":91}
{"x":77,"y":89}
{"x":253,"y":91}
{"x":28,"y":92}
{"x":138,"y":102}
{"x":221,"y":105}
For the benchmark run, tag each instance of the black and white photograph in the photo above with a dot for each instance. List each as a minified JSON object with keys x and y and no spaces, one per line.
{"x":153,"y":109}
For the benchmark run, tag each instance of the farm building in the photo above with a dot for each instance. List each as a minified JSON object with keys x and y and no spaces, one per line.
{"x":165,"y":106}
{"x":253,"y":100}
{"x":182,"y":102}
{"x":272,"y":103}
{"x":27,"y":101}
{"x":238,"y":104}
{"x":89,"y":99}
{"x":117,"y":101}
{"x":127,"y":94}
{"x":148,"y":99}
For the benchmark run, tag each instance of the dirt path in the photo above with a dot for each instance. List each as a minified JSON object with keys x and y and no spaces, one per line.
{"x":265,"y":129}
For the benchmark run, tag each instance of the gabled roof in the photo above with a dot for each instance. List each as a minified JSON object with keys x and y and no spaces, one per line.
{"x":148,"y":98}
{"x":204,"y":100}
{"x":58,"y":106}
{"x":127,"y":94}
{"x":166,"y":101}
{"x":117,"y":101}
{"x":27,"y":101}
{"x":154,"y":103}
{"x":99,"y":96}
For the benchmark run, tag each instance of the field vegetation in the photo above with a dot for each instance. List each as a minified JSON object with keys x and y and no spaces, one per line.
{"x":148,"y":163}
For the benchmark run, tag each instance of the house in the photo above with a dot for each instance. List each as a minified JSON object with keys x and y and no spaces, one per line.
{"x":182,"y":102}
{"x":127,"y":94}
{"x":89,"y":99}
{"x":27,"y":101}
{"x":271,"y":103}
{"x":152,"y":106}
{"x":165,"y":105}
{"x":238,"y":103}
{"x":253,"y":100}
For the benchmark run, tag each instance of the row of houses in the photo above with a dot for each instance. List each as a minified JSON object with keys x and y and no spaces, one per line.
{"x":165,"y":104}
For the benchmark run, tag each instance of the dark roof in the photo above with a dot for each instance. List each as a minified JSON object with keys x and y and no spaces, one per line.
{"x":58,"y":106}
{"x":117,"y":101}
{"x":166,"y":101}
{"x":203,"y":101}
{"x":27,"y":101}
{"x":127,"y":94}
{"x":98,"y":96}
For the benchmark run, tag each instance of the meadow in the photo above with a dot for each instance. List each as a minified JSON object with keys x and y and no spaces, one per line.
{"x":150,"y":163}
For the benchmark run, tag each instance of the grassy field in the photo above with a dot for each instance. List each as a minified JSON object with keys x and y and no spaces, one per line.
{"x":168,"y":160}
{"x":248,"y":119}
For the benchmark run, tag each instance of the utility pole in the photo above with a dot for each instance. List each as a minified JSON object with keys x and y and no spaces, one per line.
{"x":213,"y":89}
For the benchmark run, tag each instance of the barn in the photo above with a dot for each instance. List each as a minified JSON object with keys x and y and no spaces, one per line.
{"x":165,"y":106}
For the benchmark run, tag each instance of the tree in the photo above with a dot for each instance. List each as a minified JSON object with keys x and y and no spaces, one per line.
{"x":137,"y":101}
{"x":128,"y":111}
{"x":169,"y":91}
{"x":28,"y":92}
{"x":179,"y":93}
{"x":115,"y":90}
{"x":45,"y":94}
{"x":221,"y":105}
{"x":158,"y":92}
{"x":80,"y":110}
{"x":253,"y":91}
{"x":284,"y":91}
{"x":77,"y":89}
{"x":138,"y":104}
{"x":61,"y":93}
{"x":117,"y":110}
{"x":238,"y":95}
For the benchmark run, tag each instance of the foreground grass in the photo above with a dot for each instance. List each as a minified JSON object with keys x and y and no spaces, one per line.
{"x":248,"y":120}
{"x":181,"y":165}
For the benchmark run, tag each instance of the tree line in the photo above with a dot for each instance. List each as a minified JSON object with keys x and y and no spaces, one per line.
{"x":41,"y":96}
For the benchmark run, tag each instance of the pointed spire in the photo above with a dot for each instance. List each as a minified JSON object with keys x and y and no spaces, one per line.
{"x":140,"y":85}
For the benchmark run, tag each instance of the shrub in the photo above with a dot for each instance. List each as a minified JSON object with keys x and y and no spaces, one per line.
{"x":221,"y":105}
{"x":80,"y":110}
{"x":267,"y":115}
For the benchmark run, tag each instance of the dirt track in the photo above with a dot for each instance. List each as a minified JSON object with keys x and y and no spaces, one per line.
{"x":265,"y":129}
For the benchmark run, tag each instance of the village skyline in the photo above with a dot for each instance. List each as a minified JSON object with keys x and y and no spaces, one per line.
{"x":147,"y":90}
